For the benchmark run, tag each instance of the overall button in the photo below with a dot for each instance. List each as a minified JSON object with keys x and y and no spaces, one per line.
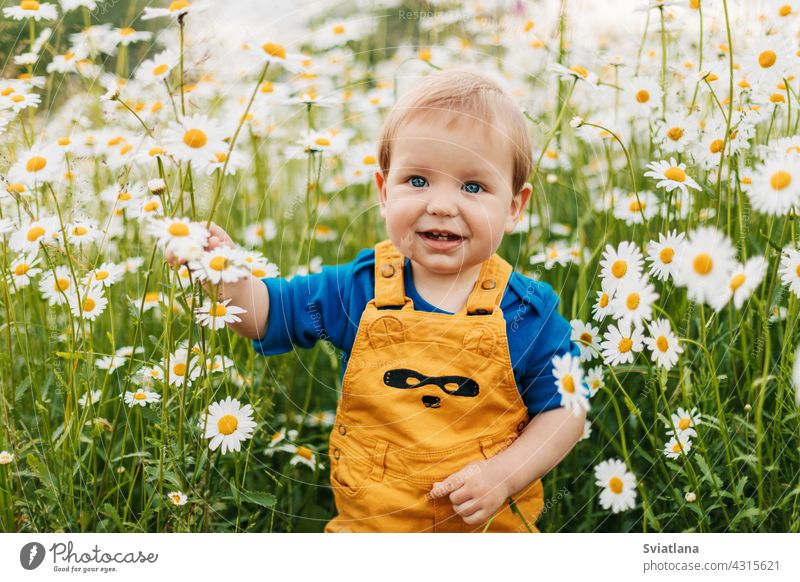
{"x":489,"y":284}
{"x":521,"y":426}
{"x":342,"y":429}
{"x":387,"y":271}
{"x":336,"y":454}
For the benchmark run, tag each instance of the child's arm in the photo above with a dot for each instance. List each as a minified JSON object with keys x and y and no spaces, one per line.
{"x":249,"y":293}
{"x":482,"y":487}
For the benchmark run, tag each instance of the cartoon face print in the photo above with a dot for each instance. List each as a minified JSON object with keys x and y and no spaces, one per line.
{"x":454,"y":385}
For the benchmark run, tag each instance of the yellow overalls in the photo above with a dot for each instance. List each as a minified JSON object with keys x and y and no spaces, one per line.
{"x":424,"y":394}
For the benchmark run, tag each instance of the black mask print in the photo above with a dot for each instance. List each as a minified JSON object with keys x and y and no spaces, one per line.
{"x":405,"y":378}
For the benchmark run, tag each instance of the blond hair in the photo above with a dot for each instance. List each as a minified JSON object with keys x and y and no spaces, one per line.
{"x":465,"y":92}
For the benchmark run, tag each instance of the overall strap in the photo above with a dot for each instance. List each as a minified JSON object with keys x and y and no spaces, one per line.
{"x":389,"y":290}
{"x":490,"y":286}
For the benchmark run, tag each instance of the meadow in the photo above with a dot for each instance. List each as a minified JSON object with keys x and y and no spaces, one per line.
{"x":665,"y":214}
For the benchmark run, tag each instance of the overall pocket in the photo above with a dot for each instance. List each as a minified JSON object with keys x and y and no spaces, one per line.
{"x":351,"y":474}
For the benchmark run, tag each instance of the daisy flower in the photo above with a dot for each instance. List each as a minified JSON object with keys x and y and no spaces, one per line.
{"x":177,"y":497}
{"x":106,"y":274}
{"x":663,"y":344}
{"x":634,"y":300}
{"x":157,"y":69}
{"x":707,"y":260}
{"x":619,"y":485}
{"x":587,"y":430}
{"x":54,"y":288}
{"x":743,"y":281}
{"x":92,"y":302}
{"x":575,"y":72}
{"x":585,"y":334}
{"x":109,"y":363}
{"x":635,"y":210}
{"x":661,"y":254}
{"x":677,"y":446}
{"x":642,"y":95}
{"x":304,"y":456}
{"x":790,"y":269}
{"x":676,"y":133}
{"x":217,"y":315}
{"x":602,"y":304}
{"x":179,"y":373}
{"x":776,"y":185}
{"x":141,"y":397}
{"x":31,"y":9}
{"x":227,"y":423}
{"x":275,"y":53}
{"x":82,"y":231}
{"x":281,"y":435}
{"x":620,"y":343}
{"x":768,"y":61}
{"x":175,"y":9}
{"x":18,"y":100}
{"x":594,"y":379}
{"x":671,"y":175}
{"x":150,"y":374}
{"x":92,"y":397}
{"x":683,"y":422}
{"x":22,"y":269}
{"x":222,"y":264}
{"x":37,"y":165}
{"x":171,"y":230}
{"x":6,"y":458}
{"x":196,"y":139}
{"x":620,"y":264}
{"x":569,"y":379}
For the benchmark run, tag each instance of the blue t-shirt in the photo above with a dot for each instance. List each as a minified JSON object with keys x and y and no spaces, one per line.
{"x":328,"y":306}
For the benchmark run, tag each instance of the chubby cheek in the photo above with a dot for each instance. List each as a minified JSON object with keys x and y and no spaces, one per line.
{"x":402,"y":213}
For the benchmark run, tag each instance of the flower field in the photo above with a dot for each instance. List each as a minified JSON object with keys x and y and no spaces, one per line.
{"x":666,"y":150}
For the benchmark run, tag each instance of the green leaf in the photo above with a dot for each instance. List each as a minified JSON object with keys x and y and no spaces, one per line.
{"x":261,"y":498}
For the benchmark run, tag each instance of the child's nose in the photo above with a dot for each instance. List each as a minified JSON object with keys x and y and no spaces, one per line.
{"x":442,"y":202}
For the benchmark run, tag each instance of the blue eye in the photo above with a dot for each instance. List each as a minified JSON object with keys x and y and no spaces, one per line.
{"x":473,"y":187}
{"x":418,"y":181}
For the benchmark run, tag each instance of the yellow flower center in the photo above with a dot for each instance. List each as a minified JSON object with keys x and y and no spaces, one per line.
{"x":124,"y":196}
{"x":339,"y":29}
{"x":221,"y":157}
{"x":604,"y":300}
{"x":662,"y":344}
{"x":568,"y":383}
{"x":227,"y":424}
{"x":155,"y":151}
{"x":666,"y":255}
{"x":64,"y":141}
{"x":619,"y":268}
{"x":615,"y":484}
{"x":675,"y":133}
{"x":322,"y":141}
{"x":642,"y":96}
{"x":89,"y":304}
{"x":195,"y":138}
{"x":632,"y":301}
{"x":625,"y":345}
{"x":766,"y":59}
{"x":62,"y":283}
{"x":425,"y":55}
{"x":34,"y":233}
{"x":580,"y":71}
{"x":716,"y":146}
{"x":151,"y":297}
{"x":178,"y":5}
{"x":178,"y":229}
{"x":79,"y":230}
{"x":218,"y":263}
{"x":586,"y":337}
{"x":100,"y":275}
{"x":677,"y":448}
{"x":29,"y":5}
{"x":777,"y":98}
{"x":369,"y":160}
{"x":21,"y":269}
{"x":159,"y":70}
{"x":780,"y":180}
{"x":36,"y":163}
{"x":267,"y":87}
{"x":139,"y":396}
{"x":179,"y":369}
{"x":176,"y":499}
{"x":737,"y":281}
{"x":127,"y":31}
{"x":217,"y":310}
{"x":274,"y":50}
{"x":305,"y":452}
{"x":684,"y":423}
{"x":703,"y":264}
{"x":675,"y":174}
{"x":785,"y":10}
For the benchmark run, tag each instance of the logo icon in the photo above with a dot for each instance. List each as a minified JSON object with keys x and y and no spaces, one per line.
{"x":31,"y":555}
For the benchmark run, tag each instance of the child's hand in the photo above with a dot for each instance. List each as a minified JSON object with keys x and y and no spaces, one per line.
{"x":477,"y":491}
{"x":217,"y":238}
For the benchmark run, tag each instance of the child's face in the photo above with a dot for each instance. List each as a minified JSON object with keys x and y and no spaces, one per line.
{"x":454,"y":174}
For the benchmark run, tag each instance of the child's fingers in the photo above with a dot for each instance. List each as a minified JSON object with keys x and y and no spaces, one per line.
{"x":442,"y":488}
{"x":460,"y":495}
{"x":467,"y":508}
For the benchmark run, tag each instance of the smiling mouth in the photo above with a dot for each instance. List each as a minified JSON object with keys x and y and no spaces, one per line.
{"x":440,"y":235}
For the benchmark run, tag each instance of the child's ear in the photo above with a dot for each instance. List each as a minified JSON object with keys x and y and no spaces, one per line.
{"x":518,"y":204}
{"x":380,"y":182}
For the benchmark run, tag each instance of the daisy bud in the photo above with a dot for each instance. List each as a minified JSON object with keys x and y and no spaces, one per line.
{"x":576,"y":122}
{"x":690,"y":497}
{"x":747,"y":408}
{"x":156,"y":186}
{"x":552,"y":178}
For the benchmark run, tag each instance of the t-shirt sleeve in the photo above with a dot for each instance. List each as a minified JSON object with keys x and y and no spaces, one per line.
{"x":538,"y":389}
{"x":305,"y":309}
